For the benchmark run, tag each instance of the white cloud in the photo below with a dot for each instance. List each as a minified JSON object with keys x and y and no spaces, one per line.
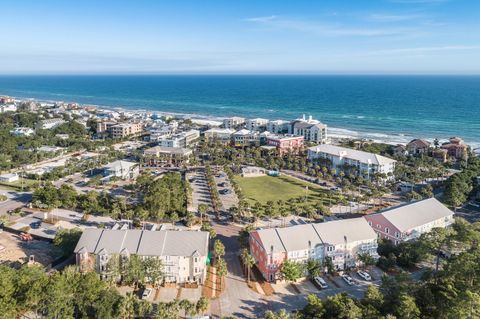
{"x":423,"y":50}
{"x":394,"y":17}
{"x":326,"y":29}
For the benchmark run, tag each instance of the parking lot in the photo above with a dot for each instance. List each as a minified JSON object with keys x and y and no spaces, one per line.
{"x":200,"y":191}
{"x":226,"y":191}
{"x":292,"y":296}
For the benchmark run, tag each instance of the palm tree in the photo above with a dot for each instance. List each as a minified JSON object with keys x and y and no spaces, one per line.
{"x":248,"y":262}
{"x":221,"y":267}
{"x":202,"y":209}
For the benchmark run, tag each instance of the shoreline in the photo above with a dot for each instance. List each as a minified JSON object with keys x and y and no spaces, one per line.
{"x":339,"y":133}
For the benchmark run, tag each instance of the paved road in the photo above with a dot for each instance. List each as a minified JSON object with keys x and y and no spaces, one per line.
{"x":200,"y":191}
{"x":15,"y":200}
{"x":228,"y":200}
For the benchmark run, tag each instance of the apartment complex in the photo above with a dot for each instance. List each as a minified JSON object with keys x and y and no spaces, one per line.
{"x":183,"y":253}
{"x":410,"y":221}
{"x":183,"y":139}
{"x":125,"y":129}
{"x":278,"y":126}
{"x":50,"y":123}
{"x":286,"y":143}
{"x":221,"y":135}
{"x":366,"y":164}
{"x":233,"y":122}
{"x":312,"y":132}
{"x":245,"y":138}
{"x":121,"y":169}
{"x":159,"y":156}
{"x":257,"y":124}
{"x":341,"y":241}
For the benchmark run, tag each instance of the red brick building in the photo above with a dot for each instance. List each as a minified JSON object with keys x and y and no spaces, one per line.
{"x":286,"y":143}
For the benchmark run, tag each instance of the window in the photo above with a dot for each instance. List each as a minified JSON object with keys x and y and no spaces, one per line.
{"x":330,"y":248}
{"x":196,"y":259}
{"x":387,"y":230}
{"x":397,"y":234}
{"x":370,"y":223}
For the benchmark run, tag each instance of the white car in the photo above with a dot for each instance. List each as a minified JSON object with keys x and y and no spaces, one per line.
{"x":320,"y":282}
{"x":146,"y":293}
{"x":348,"y":280}
{"x":364,"y":275}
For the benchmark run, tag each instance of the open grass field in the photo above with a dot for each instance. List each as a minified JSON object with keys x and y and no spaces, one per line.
{"x":268,"y":188}
{"x":16,"y":186}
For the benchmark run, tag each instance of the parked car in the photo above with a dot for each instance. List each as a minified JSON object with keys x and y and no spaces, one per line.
{"x":36,"y":225}
{"x":348,"y":280}
{"x":320,"y":282}
{"x":146,"y":293}
{"x":223,"y":184}
{"x":364,"y":275}
{"x":225,"y":191}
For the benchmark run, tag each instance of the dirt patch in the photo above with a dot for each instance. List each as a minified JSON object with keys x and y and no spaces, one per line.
{"x":16,"y":252}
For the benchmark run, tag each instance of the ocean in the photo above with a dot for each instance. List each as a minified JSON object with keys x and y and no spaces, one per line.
{"x":395,"y":109}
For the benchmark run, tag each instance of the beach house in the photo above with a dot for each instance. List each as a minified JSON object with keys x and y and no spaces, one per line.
{"x":410,"y":221}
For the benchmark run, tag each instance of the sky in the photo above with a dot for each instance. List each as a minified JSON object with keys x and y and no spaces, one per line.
{"x":240,"y":37}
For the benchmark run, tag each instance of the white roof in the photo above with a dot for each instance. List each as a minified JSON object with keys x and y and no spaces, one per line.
{"x":363,"y":157}
{"x":121,"y":164}
{"x":416,"y":214}
{"x":299,"y":237}
{"x":220,"y":130}
{"x":243,"y":132}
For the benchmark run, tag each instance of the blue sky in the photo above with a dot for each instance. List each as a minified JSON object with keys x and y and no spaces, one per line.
{"x":321,"y":36}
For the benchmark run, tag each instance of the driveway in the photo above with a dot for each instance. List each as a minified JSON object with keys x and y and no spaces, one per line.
{"x":200,"y":190}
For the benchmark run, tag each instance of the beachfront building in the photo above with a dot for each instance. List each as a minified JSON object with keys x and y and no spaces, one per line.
{"x":50,"y":123}
{"x":418,"y":147}
{"x":104,"y":127}
{"x":365,"y":164}
{"x":407,"y":222}
{"x":8,"y":108}
{"x":286,"y":143}
{"x":121,"y":169}
{"x":183,"y":139}
{"x":220,"y":135}
{"x":245,"y":137}
{"x":278,"y":127}
{"x":256,"y":124}
{"x":312,"y":130}
{"x":234,"y":122}
{"x":341,"y":241}
{"x":183,"y":253}
{"x":7,"y":100}
{"x":9,"y":178}
{"x":456,"y":148}
{"x":123,"y":130}
{"x":29,"y":106}
{"x":22,"y":131}
{"x":159,"y":156}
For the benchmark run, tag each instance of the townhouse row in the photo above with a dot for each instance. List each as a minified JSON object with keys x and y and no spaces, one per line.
{"x":342,"y":241}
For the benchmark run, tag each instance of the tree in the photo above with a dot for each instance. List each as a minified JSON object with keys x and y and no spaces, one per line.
{"x":292,"y":270}
{"x":329,"y":265}
{"x":221,"y":268}
{"x":66,"y":240}
{"x":314,"y":267}
{"x":373,"y":297}
{"x":248,"y":261}
{"x":8,"y":302}
{"x":218,"y":249}
{"x":153,"y":270}
{"x":366,"y":259}
{"x":314,"y":308}
{"x":202,"y":209}
{"x":341,"y":306}
{"x":134,"y":270}
{"x":407,"y":308}
{"x":202,"y":305}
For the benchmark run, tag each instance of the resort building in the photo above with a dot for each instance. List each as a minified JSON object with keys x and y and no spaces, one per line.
{"x":123,"y":130}
{"x":418,"y":147}
{"x":183,"y":139}
{"x":50,"y":123}
{"x":105,"y":126}
{"x":22,"y":131}
{"x":233,"y":122}
{"x":159,"y":156}
{"x":220,"y":135}
{"x":365,"y":164}
{"x":183,"y":253}
{"x":278,"y":127}
{"x":8,"y":108}
{"x":407,"y":222}
{"x":245,"y":137}
{"x":286,"y":143}
{"x":7,"y":100}
{"x":257,"y":124}
{"x":9,"y":178}
{"x":456,"y":148}
{"x":121,"y":169}
{"x":341,"y":241}
{"x":312,"y":130}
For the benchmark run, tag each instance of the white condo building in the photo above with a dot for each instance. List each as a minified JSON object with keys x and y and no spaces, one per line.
{"x":257,"y":124}
{"x":365,"y":163}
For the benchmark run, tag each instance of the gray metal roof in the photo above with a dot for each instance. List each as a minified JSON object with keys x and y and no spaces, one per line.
{"x":298,"y":237}
{"x":362,"y":157}
{"x":144,"y":242}
{"x":416,"y":214}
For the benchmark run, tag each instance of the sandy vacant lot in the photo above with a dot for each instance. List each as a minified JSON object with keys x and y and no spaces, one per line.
{"x":15,"y":252}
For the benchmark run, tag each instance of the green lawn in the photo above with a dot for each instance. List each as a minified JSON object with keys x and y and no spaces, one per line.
{"x":16,"y":186}
{"x":268,"y":188}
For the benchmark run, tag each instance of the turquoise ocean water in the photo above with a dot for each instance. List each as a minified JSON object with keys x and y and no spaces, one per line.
{"x":393,"y":108}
